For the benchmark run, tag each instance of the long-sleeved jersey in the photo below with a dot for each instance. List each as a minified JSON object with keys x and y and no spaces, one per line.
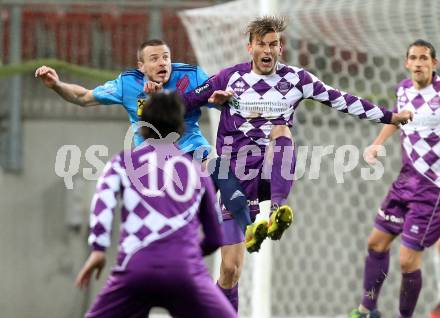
{"x":421,"y":137}
{"x":165,"y":199}
{"x":262,"y":101}
{"x":128,"y":91}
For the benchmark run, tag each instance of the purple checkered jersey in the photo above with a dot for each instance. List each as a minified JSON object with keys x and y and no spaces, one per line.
{"x":165,"y":198}
{"x":421,"y":137}
{"x":261,"y":101}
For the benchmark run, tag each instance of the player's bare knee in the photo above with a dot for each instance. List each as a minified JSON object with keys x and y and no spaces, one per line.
{"x":280,"y":131}
{"x":410,"y":260}
{"x":379,"y":241}
{"x":377,"y":245}
{"x":230,"y":274}
{"x":408,"y":264}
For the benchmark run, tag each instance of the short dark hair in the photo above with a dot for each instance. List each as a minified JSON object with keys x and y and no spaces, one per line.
{"x":259,"y":27}
{"x":164,"y":111}
{"x":152,"y":42}
{"x":424,"y":43}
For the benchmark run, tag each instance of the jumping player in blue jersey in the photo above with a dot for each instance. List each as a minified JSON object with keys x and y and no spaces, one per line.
{"x":127,"y":90}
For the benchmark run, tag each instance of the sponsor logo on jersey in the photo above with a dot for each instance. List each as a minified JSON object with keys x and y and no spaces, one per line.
{"x":239,"y":87}
{"x":390,"y":218}
{"x":253,"y":202}
{"x":182,"y":84}
{"x":414,"y":229}
{"x":402,"y":101}
{"x":234,"y":102}
{"x":434,"y":103}
{"x":203,"y":88}
{"x":284,"y":87}
{"x":140,"y":106}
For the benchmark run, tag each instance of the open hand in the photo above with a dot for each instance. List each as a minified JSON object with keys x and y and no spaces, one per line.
{"x":96,"y":261}
{"x":220,"y":97}
{"x":371,"y":154}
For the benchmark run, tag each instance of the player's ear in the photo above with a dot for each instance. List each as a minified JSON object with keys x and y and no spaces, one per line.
{"x":249,"y":48}
{"x":406,"y":63}
{"x":141,"y":66}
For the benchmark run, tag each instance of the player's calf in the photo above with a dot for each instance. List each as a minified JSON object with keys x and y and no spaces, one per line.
{"x":279,"y":221}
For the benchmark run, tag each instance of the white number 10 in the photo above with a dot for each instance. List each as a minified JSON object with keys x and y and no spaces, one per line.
{"x":170,"y":177}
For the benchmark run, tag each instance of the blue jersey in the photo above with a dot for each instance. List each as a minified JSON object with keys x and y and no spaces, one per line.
{"x":128,"y":91}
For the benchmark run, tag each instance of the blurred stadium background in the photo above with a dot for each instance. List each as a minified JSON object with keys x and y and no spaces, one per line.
{"x":316,"y":270}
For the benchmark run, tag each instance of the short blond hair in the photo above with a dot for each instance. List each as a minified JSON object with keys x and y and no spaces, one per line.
{"x":152,"y":42}
{"x":259,"y":27}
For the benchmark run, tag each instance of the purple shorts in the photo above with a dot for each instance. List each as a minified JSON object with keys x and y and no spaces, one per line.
{"x":232,"y":233}
{"x":183,"y":287}
{"x":411,"y":208}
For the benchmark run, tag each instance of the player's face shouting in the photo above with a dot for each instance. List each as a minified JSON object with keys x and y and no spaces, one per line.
{"x":265,"y":52}
{"x":420,"y":64}
{"x":156,"y":63}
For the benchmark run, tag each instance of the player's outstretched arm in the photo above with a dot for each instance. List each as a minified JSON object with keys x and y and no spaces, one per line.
{"x":314,"y":88}
{"x":95,"y":262}
{"x":373,"y":150}
{"x":73,"y":93}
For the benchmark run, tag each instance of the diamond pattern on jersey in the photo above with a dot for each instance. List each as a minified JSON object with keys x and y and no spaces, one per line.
{"x":240,"y":86}
{"x":262,"y":101}
{"x":421,"y":137}
{"x":261,"y":87}
{"x":418,"y":101}
{"x":143,"y":222}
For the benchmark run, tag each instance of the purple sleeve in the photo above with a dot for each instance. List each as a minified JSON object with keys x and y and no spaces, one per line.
{"x":344,"y":102}
{"x":210,"y":218}
{"x":103,"y":206}
{"x":200,"y":95}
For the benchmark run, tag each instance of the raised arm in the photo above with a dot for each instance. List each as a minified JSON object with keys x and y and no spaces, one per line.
{"x":73,"y":93}
{"x":344,"y":102}
{"x":210,"y":217}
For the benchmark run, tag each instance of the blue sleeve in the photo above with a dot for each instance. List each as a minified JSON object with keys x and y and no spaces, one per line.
{"x":201,"y":76}
{"x":110,"y":92}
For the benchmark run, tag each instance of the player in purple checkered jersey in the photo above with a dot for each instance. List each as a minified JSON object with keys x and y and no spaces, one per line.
{"x":165,"y":201}
{"x":261,"y":97}
{"x":411,"y":208}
